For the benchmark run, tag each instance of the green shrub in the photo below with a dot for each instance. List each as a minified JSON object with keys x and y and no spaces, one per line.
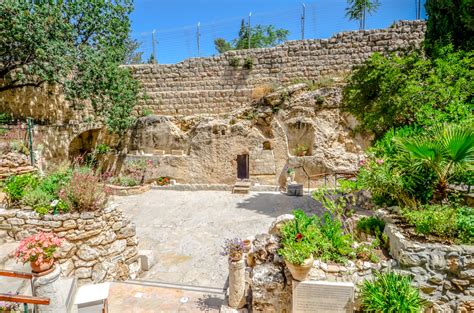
{"x":366,"y":252}
{"x":443,"y":221}
{"x":371,"y":225}
{"x":465,"y":225}
{"x":15,"y":186}
{"x":37,"y":198}
{"x":333,"y":244}
{"x":54,"y":182}
{"x":394,"y":91}
{"x":234,"y":62}
{"x":248,"y":63}
{"x":298,"y":237}
{"x":390,"y":292}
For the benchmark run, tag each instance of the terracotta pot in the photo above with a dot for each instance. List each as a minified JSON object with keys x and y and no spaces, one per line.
{"x":247,"y":245}
{"x":38,"y":267}
{"x":300,"y":272}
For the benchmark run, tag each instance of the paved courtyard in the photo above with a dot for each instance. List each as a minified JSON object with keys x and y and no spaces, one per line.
{"x":186,"y":229}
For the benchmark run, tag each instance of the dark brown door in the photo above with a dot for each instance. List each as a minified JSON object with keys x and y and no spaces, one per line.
{"x":243,"y":166}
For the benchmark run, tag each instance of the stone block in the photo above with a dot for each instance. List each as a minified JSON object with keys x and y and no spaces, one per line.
{"x":147,"y":259}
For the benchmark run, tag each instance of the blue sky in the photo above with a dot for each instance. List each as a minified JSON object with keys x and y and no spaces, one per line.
{"x":175,"y":22}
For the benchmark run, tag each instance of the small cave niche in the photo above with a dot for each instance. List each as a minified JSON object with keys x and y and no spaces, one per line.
{"x":267,"y":145}
{"x":300,"y":138}
{"x":83,"y":144}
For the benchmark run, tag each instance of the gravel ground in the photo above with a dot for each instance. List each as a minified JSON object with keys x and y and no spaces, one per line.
{"x":186,"y":229}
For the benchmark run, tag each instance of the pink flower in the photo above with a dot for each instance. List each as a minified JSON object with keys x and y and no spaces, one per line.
{"x":380,"y":161}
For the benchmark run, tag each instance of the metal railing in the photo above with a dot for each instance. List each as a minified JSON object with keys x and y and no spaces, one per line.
{"x":23,"y":299}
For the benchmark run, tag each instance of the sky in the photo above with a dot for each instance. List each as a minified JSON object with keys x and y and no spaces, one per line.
{"x":176,"y":22}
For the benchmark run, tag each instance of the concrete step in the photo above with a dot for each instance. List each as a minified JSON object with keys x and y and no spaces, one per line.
{"x":241,"y":190}
{"x":242,"y":184}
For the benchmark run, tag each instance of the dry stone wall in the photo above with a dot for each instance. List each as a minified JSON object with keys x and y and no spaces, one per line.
{"x":443,"y":273}
{"x":212,"y":85}
{"x":97,"y":246}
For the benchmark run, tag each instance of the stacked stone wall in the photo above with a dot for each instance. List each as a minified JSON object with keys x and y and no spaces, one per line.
{"x":443,"y":273}
{"x":213,"y":86}
{"x":97,"y":246}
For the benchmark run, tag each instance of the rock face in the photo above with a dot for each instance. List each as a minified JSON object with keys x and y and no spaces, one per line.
{"x":96,"y":246}
{"x":269,"y":131}
{"x":444,"y":273}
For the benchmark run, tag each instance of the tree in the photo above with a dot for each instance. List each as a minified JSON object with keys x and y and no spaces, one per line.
{"x":132,"y":55}
{"x":358,"y":9}
{"x":78,"y":45}
{"x":449,"y":22}
{"x":399,"y":90}
{"x":261,"y":36}
{"x":450,"y":149}
{"x":151,"y":59}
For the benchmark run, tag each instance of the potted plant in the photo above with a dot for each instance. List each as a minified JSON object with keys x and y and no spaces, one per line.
{"x":298,"y":243}
{"x":301,"y":149}
{"x":38,"y":249}
{"x":234,"y":249}
{"x":291,"y":174}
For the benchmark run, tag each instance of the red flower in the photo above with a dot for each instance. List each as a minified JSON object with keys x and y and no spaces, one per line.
{"x":299,"y":236}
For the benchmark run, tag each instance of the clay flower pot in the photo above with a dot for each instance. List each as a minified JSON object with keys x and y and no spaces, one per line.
{"x":300,"y":272}
{"x":38,"y":267}
{"x":247,"y":245}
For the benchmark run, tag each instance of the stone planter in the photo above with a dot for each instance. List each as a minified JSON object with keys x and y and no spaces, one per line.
{"x":300,"y":272}
{"x":237,"y":284}
{"x":128,"y":191}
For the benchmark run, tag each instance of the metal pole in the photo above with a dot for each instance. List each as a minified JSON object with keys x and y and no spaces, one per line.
{"x":303,"y":16}
{"x":248,"y":30}
{"x":198,"y":35}
{"x":30,"y":140}
{"x":418,"y":10}
{"x":154,"y":46}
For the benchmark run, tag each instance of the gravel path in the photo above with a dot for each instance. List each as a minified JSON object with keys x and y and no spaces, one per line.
{"x":186,"y":229}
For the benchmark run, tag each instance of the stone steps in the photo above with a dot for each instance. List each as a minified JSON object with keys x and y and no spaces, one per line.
{"x":241,"y":187}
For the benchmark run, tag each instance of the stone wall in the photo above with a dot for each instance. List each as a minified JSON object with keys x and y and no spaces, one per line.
{"x":444,"y":273}
{"x":212,"y":85}
{"x":97,"y":246}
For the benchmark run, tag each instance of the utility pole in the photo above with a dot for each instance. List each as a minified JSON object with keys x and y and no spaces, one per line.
{"x":154,"y":46}
{"x":198,"y":36}
{"x":303,"y":16}
{"x":418,"y":9}
{"x":248,"y":30}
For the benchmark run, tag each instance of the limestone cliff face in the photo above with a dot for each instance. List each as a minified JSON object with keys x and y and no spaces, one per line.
{"x":270,"y":130}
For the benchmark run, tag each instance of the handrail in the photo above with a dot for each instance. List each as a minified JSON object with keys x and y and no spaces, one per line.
{"x":24,"y":299}
{"x":14,"y":274}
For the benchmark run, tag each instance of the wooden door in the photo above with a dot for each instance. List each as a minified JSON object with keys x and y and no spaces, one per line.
{"x":243,"y":166}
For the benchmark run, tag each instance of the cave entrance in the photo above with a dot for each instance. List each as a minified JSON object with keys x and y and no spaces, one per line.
{"x":243,"y":166}
{"x":83,"y":144}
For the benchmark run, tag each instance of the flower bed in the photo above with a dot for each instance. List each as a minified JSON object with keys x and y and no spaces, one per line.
{"x":128,"y":191}
{"x":444,"y":273}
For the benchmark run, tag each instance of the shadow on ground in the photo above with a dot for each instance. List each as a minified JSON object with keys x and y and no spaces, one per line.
{"x":275,"y":204}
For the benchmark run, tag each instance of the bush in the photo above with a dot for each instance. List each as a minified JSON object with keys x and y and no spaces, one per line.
{"x":84,"y":192}
{"x":301,"y":149}
{"x":333,"y":244}
{"x":443,"y":221}
{"x":298,"y":238}
{"x":248,"y":63}
{"x":395,"y":91}
{"x":371,"y":225}
{"x":261,"y":91}
{"x":37,"y":199}
{"x":390,"y":292}
{"x":15,"y":186}
{"x":234,"y":62}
